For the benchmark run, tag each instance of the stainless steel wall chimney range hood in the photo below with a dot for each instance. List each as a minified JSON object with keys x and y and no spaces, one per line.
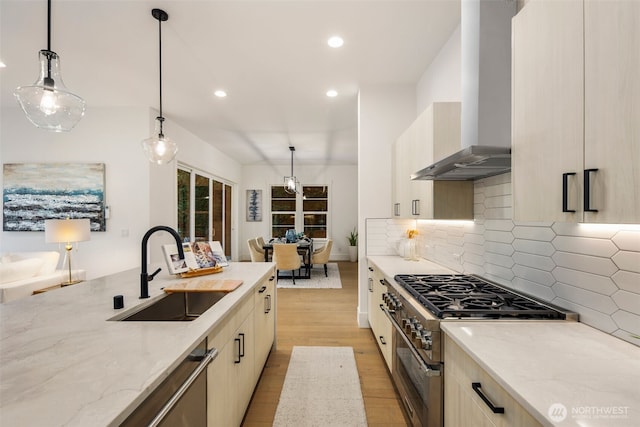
{"x":485,"y":29}
{"x":475,"y":162}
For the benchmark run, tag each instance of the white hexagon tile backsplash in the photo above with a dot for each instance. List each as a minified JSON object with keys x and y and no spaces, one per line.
{"x":591,"y":269}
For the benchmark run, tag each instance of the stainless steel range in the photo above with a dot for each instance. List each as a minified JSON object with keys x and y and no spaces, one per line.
{"x":416,"y":304}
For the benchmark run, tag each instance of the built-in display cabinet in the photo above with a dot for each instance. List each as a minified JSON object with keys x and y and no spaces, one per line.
{"x":434,"y":135}
{"x":576,"y":99}
{"x":381,"y":327}
{"x":243,"y":340}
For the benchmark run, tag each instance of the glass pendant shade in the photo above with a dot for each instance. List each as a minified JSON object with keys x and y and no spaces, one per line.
{"x":291,"y":184}
{"x":159,"y":149}
{"x":47,"y":103}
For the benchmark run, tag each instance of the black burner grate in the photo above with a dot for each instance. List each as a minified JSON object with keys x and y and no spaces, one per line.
{"x":462,"y":295}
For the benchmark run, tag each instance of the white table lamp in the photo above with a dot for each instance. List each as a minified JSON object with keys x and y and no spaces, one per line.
{"x":67,"y":231}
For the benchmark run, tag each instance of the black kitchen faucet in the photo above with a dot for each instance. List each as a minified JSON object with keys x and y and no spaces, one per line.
{"x":144,"y":277}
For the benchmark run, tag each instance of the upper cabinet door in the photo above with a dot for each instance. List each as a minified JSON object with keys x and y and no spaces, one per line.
{"x":547,"y":110}
{"x":612,"y":109}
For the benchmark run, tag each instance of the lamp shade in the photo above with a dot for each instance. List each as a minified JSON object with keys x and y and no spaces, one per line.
{"x":47,"y":103}
{"x":67,"y":230}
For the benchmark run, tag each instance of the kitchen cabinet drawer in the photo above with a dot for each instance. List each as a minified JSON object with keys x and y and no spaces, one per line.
{"x":463,"y":405}
{"x":264,"y":315}
{"x":381,"y":327}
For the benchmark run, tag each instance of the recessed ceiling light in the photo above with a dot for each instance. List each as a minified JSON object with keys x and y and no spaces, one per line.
{"x":335,"y":41}
{"x":220,"y":93}
{"x":332,"y":93}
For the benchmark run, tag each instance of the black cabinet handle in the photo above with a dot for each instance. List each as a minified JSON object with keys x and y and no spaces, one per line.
{"x":587,"y":190}
{"x":262,"y":289}
{"x":495,"y":409}
{"x":415,"y":207}
{"x":565,"y":191}
{"x":271,"y":279}
{"x":382,"y":341}
{"x":242,"y":351}
{"x":237,"y":340}
{"x":370,"y":269}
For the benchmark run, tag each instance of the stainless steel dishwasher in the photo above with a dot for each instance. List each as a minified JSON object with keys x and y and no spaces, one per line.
{"x":181,"y":399}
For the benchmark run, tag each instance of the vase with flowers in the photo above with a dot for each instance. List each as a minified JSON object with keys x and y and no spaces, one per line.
{"x":409,"y":246}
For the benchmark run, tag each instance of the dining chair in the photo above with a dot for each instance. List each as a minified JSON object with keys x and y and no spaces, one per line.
{"x":260,"y":243}
{"x":286,"y":257}
{"x":256,"y":255}
{"x":321,"y":256}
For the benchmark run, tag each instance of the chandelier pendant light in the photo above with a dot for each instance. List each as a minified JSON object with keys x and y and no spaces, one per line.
{"x":48,"y":104}
{"x":291,"y":183}
{"x":159,"y":148}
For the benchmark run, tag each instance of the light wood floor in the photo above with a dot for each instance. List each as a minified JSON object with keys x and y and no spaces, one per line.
{"x":326,"y":317}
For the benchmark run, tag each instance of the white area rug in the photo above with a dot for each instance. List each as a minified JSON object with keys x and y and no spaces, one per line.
{"x":317,"y":279}
{"x":321,"y":388}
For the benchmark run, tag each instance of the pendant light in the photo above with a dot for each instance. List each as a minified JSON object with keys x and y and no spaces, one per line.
{"x":291,"y":183}
{"x":47,"y":103}
{"x":158,"y":148}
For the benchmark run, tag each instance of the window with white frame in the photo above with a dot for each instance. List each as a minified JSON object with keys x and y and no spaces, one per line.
{"x":307,"y":212}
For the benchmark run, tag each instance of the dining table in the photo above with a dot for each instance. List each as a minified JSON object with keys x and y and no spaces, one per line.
{"x":305,"y":248}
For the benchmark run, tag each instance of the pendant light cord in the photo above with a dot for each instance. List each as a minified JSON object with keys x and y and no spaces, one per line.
{"x":49,"y":25}
{"x":48,"y":81}
{"x":160,"y":61}
{"x":161,"y":118}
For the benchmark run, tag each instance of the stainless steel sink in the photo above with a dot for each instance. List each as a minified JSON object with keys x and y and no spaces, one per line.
{"x":174,"y":307}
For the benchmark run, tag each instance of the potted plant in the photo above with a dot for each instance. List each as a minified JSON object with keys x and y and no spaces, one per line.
{"x":353,"y":245}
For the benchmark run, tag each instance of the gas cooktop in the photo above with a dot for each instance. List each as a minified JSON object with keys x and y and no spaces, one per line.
{"x":460,"y":295}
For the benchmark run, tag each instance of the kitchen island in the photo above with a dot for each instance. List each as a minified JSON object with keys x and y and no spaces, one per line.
{"x":64,"y":363}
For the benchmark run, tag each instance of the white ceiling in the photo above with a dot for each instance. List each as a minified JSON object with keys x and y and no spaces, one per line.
{"x":270,"y":56}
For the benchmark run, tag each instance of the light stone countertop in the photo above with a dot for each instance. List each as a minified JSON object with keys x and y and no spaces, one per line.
{"x":543,"y":363}
{"x":392,"y":265}
{"x":596,"y":377}
{"x":63,"y":363}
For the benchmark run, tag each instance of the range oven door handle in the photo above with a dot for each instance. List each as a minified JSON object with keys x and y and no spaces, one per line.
{"x":427,"y":370}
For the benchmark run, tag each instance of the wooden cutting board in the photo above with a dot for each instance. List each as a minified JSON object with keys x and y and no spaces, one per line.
{"x":204,"y":285}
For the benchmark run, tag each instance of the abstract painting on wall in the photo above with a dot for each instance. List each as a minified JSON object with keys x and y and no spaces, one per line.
{"x":254,"y":205}
{"x":34,"y":192}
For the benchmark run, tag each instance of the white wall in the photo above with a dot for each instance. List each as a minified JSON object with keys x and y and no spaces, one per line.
{"x":343,"y":186}
{"x":383,"y":113}
{"x":441,"y":81}
{"x":139,"y":194}
{"x":110,"y":136}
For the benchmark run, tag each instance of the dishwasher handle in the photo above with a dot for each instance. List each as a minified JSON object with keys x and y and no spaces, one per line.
{"x":204,"y":362}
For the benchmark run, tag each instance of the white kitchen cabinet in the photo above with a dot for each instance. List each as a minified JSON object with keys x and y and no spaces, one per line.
{"x":265,"y":315}
{"x":464,"y":406}
{"x":576,"y":96}
{"x":434,"y":135}
{"x":381,"y":327}
{"x":243,"y":340}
